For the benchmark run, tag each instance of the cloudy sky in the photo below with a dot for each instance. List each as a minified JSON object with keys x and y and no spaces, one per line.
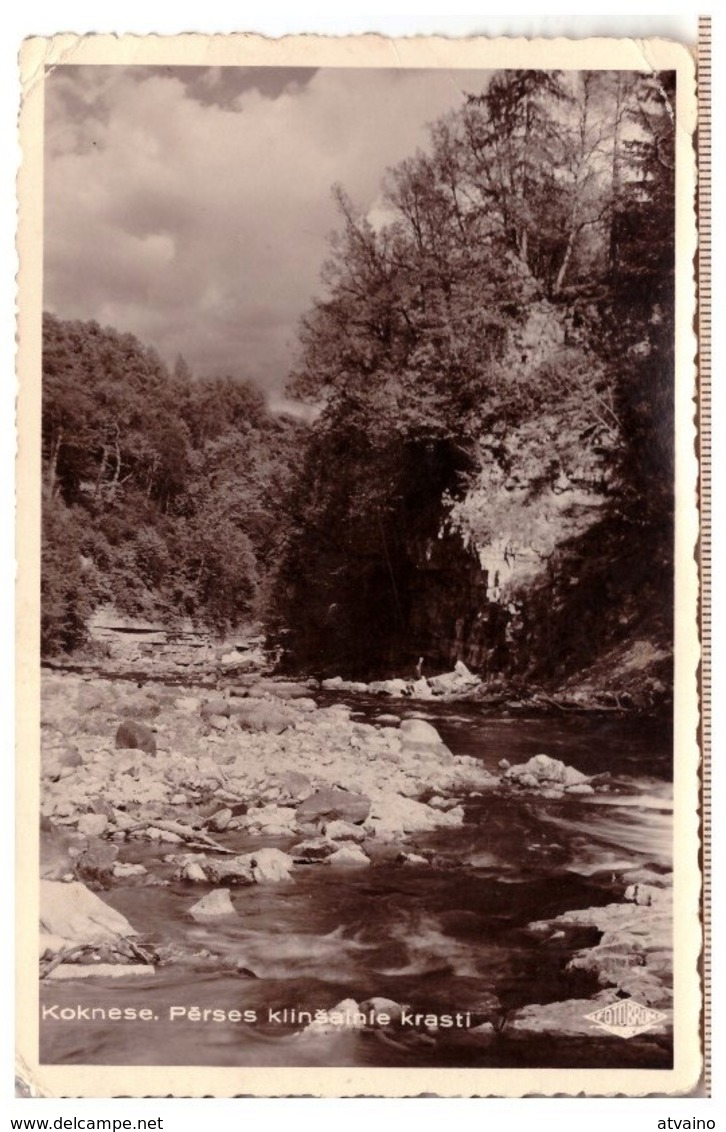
{"x":191,"y":206}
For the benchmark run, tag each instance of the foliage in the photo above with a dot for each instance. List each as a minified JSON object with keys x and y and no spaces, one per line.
{"x":162,"y":491}
{"x":502,"y":327}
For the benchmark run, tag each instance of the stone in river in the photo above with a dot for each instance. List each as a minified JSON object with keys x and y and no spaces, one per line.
{"x":343,"y":831}
{"x":92,"y":825}
{"x":268,"y":865}
{"x":75,"y":914}
{"x":219,"y":821}
{"x":418,"y":735}
{"x":215,"y":904}
{"x":135,"y":736}
{"x":312,"y":851}
{"x":348,"y":855}
{"x":123,"y":869}
{"x":334,"y":805}
{"x":96,"y":862}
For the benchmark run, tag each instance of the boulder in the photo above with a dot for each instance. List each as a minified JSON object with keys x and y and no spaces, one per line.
{"x":218,"y":722}
{"x":76,"y":915}
{"x":140,"y":705}
{"x":343,"y":831}
{"x":212,"y":906}
{"x":292,"y":785}
{"x":132,"y":735}
{"x":215,"y":706}
{"x":124,"y":869}
{"x":338,"y":684}
{"x":344,"y":1015}
{"x":219,"y":821}
{"x":348,"y":854}
{"x":92,"y":825}
{"x":389,"y":687}
{"x":418,"y":735}
{"x":96,"y":862}
{"x":542,"y":770}
{"x":263,"y":716}
{"x":269,"y":865}
{"x":454,"y":683}
{"x":394,"y":815}
{"x":334,"y":805}
{"x":194,"y":872}
{"x":377,"y":1006}
{"x":312,"y":851}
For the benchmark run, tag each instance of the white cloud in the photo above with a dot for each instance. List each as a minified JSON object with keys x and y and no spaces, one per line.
{"x":202,"y":226}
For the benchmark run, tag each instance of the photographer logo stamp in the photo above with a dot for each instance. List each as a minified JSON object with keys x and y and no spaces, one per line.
{"x":626,"y":1019}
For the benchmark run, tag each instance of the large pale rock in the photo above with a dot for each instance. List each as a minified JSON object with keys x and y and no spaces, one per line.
{"x":344,"y":1015}
{"x":343,"y":831}
{"x":418,"y":735}
{"x":133,"y":735}
{"x":454,"y":683}
{"x":124,"y":869}
{"x":338,"y":684}
{"x":219,"y":821}
{"x":568,"y":1018}
{"x":542,"y":770}
{"x":334,"y":805}
{"x":213,"y":906}
{"x":396,"y":815}
{"x":100,"y":971}
{"x":263,"y":716}
{"x":292,"y":785}
{"x":390,"y":687}
{"x":269,"y":865}
{"x":77,"y":915}
{"x":348,"y":855}
{"x":92,"y":825}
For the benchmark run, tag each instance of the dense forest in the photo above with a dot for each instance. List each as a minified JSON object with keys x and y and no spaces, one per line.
{"x":489,"y":474}
{"x":161,"y":490}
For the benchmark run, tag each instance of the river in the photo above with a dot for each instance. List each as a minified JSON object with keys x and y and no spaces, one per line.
{"x":448,"y":939}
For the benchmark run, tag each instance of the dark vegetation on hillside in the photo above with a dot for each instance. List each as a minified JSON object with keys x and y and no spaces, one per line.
{"x":550,"y":194}
{"x":161,"y":491}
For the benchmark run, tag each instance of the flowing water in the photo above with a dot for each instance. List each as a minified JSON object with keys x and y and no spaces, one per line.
{"x":447,"y":940}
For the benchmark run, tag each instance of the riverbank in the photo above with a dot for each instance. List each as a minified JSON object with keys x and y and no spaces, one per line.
{"x":212,"y":794}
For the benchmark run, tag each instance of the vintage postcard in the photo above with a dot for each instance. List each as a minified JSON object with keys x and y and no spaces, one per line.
{"x":358,"y":641}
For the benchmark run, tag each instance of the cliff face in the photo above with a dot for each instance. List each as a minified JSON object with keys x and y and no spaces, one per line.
{"x":508,"y":552}
{"x":532,"y":574}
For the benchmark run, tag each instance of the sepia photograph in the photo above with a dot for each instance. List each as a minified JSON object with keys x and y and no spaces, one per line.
{"x":367,"y":640}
